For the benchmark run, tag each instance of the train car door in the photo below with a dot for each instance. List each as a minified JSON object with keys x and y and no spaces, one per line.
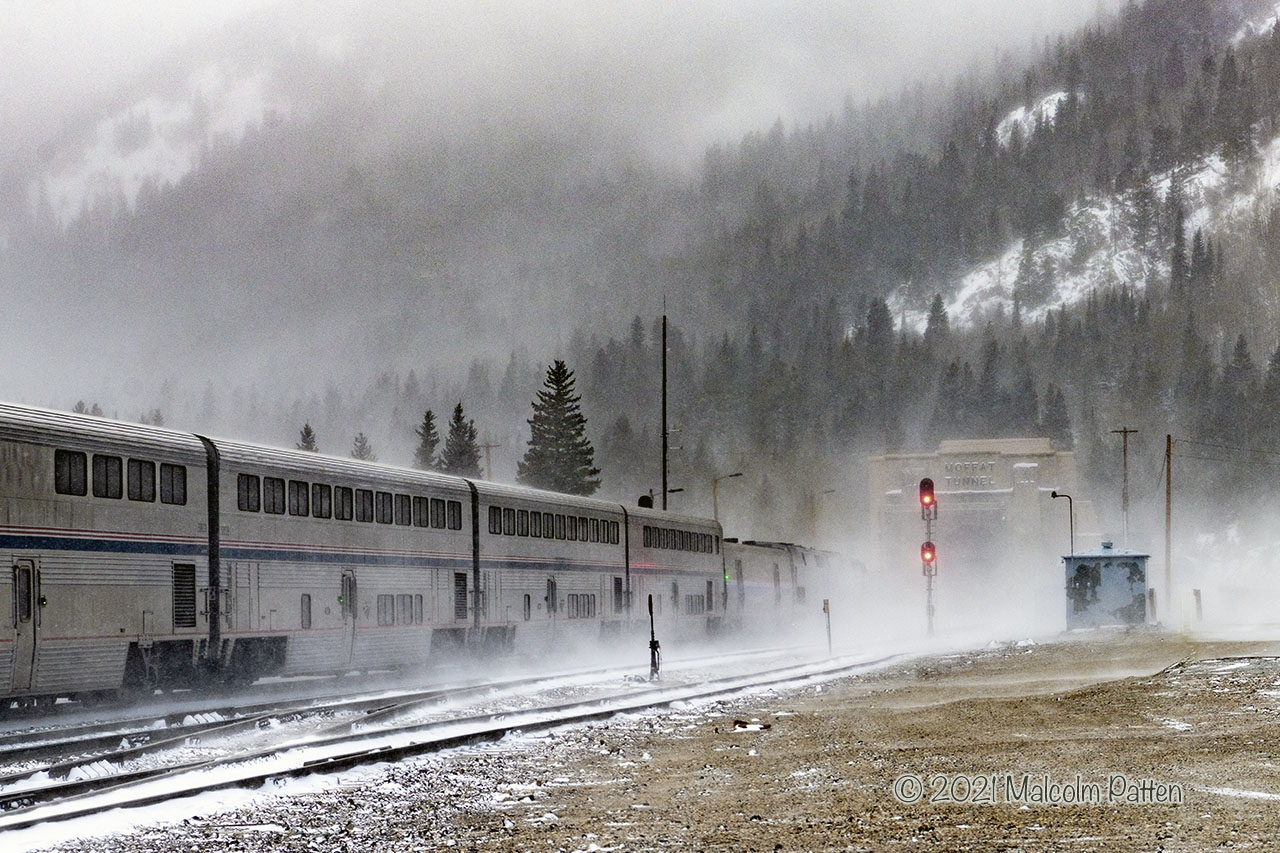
{"x":349,"y":604}
{"x":26,"y":617}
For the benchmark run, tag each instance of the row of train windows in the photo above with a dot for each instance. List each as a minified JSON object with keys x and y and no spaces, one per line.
{"x":113,"y":478}
{"x":277,"y":496}
{"x":673,"y":539}
{"x":505,"y":521}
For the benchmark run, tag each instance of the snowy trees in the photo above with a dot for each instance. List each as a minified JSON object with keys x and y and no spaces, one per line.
{"x":307,"y":439}
{"x":461,"y":454}
{"x":424,"y":456}
{"x":559,"y":456}
{"x":362,"y":449}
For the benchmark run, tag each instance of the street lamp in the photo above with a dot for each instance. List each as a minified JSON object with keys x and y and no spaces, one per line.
{"x":715,"y":485}
{"x":1071,"y":513}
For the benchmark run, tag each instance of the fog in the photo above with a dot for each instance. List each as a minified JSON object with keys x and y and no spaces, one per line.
{"x":549,"y":147}
{"x":670,"y":77}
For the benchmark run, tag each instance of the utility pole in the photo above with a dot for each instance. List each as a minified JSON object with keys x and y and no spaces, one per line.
{"x":1124,"y":434}
{"x":1168,"y":524}
{"x":664,"y":405}
{"x":488,"y":468}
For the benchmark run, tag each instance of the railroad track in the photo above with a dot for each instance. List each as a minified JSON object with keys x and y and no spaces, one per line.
{"x":391,"y":734}
{"x":59,"y":749}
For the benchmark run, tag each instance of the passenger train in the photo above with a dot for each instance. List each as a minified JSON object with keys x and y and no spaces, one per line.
{"x":143,"y":557}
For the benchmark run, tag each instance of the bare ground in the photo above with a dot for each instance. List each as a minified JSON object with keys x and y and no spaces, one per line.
{"x":1162,"y":743}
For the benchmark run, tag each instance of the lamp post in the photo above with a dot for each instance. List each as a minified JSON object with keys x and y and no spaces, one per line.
{"x":1071,"y":513}
{"x":715,"y":485}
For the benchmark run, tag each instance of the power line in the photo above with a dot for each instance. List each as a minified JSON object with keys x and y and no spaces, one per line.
{"x":1229,"y":447}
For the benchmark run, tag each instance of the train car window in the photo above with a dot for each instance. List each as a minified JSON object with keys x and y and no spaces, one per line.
{"x":535,"y":524}
{"x":343,"y":503}
{"x":711,"y":590}
{"x":528,"y":606}
{"x":437,"y":512}
{"x":675,"y":597}
{"x":613,"y":533}
{"x":70,"y":473}
{"x":522,"y":523}
{"x":509,"y":521}
{"x":384,"y":505}
{"x":582,"y":529}
{"x":306,"y":610}
{"x":173,"y":484}
{"x":184,"y":595}
{"x":455,"y":515}
{"x":559,"y":526}
{"x":249,"y":493}
{"x":273,"y":495}
{"x":404,"y":608}
{"x":551,"y":596}
{"x":495,"y":519}
{"x":421,"y":512}
{"x":299,"y":498}
{"x":717,"y":544}
{"x":404,"y":510}
{"x":417,"y":609}
{"x":571,"y":528}
{"x":364,"y":505}
{"x":648,"y":536}
{"x":108,"y":476}
{"x":386,"y":610}
{"x":142,"y":480}
{"x":595,"y":530}
{"x":617,"y":595}
{"x":321,"y":500}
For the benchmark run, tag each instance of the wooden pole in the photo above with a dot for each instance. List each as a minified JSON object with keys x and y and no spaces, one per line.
{"x":1168,"y":524}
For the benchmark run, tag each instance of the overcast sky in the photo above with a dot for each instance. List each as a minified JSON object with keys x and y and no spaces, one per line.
{"x":748,"y":61}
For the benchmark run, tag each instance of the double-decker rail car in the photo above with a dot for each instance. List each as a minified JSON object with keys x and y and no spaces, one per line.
{"x":150,"y":557}
{"x":105,"y":532}
{"x":778,"y":585}
{"x":679,"y":561}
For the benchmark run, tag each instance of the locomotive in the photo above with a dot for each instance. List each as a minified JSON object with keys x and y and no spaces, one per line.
{"x":142,"y":557}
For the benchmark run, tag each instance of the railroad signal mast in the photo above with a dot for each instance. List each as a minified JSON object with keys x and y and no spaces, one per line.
{"x":928,"y":553}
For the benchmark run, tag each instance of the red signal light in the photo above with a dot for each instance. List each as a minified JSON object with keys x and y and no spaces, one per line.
{"x":928,"y":553}
{"x":926,"y":492}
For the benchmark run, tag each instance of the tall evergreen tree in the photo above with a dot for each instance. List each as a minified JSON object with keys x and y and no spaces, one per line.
{"x":424,"y":456}
{"x":362,"y":449}
{"x":560,"y":456}
{"x":461,"y":456}
{"x":307,"y":439}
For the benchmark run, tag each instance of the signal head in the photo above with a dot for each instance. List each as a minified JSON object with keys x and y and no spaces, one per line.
{"x":928,"y":553}
{"x":926,"y":492}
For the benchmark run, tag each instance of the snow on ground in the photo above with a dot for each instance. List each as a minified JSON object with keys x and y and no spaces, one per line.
{"x":1027,"y":120}
{"x":1256,"y":28}
{"x":1097,"y":250}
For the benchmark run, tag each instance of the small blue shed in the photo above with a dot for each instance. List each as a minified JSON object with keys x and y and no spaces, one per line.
{"x":1106,"y":587}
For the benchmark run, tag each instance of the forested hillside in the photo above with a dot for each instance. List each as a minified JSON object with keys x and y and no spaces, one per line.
{"x":1114,"y":192}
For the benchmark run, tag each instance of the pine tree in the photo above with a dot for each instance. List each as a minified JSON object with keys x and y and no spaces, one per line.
{"x":461,"y":456}
{"x":362,"y":449}
{"x":307,"y":439}
{"x":560,"y":456}
{"x":424,"y":457}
